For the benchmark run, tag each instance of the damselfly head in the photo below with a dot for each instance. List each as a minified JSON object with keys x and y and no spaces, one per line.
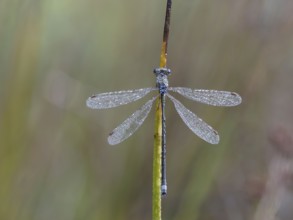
{"x":162,"y":71}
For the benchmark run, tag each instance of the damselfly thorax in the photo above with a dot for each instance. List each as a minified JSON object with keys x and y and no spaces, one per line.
{"x":162,"y":79}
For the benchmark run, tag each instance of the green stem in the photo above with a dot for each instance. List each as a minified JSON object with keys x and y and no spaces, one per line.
{"x":157,"y":163}
{"x":157,"y":158}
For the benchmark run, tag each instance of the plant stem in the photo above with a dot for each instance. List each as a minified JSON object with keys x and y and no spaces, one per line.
{"x":157,"y":162}
{"x":163,"y":58}
{"x":157,"y":157}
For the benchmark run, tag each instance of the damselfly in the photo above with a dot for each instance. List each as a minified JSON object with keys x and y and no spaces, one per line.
{"x":132,"y":123}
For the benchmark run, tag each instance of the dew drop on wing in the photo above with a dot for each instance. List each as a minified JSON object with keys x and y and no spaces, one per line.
{"x":114,"y":99}
{"x":210,"y":97}
{"x":131,"y":124}
{"x":196,"y":124}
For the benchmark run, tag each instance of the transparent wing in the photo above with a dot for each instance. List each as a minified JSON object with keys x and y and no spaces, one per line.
{"x":210,"y":97}
{"x":113,"y":99}
{"x":131,"y":124}
{"x":196,"y":124}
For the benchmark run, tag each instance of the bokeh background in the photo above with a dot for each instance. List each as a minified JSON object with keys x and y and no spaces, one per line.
{"x":55,"y":162}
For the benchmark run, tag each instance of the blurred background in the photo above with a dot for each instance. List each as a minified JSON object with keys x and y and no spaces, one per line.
{"x":55,"y":162}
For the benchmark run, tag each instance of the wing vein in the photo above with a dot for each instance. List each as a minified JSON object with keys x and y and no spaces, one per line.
{"x":196,"y":124}
{"x":210,"y":97}
{"x":114,"y":99}
{"x":131,"y":124}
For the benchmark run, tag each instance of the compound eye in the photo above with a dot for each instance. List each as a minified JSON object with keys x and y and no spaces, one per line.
{"x":156,"y":71}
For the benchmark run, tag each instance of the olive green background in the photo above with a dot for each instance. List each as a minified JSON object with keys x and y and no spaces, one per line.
{"x":55,"y":162}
